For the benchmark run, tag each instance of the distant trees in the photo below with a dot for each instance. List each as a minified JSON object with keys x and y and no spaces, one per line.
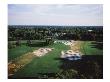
{"x":58,"y":32}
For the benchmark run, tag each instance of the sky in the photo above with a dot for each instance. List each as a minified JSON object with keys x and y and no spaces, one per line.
{"x":55,"y":14}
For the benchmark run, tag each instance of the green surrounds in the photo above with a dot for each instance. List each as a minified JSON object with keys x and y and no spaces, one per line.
{"x":87,"y":48}
{"x":46,"y":64}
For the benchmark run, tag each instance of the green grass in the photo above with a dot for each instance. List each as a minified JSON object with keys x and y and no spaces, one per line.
{"x":89,"y":49}
{"x":46,"y":64}
{"x":18,"y":51}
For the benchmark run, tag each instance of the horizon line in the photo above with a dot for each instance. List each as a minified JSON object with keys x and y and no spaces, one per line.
{"x":54,"y":25}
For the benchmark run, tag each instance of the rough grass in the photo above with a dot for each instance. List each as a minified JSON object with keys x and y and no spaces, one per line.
{"x":76,"y":46}
{"x":88,"y":48}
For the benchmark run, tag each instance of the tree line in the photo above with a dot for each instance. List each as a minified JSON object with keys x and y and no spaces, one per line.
{"x":60,"y":33}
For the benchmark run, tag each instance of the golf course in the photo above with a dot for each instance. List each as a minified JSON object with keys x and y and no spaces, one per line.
{"x":23,"y":64}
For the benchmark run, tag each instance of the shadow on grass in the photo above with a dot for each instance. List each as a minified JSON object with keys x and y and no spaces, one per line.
{"x":90,"y":66}
{"x":38,"y":76}
{"x":97,"y":44}
{"x":38,"y":44}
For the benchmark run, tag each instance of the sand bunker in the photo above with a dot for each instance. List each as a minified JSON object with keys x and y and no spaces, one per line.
{"x":42,"y":51}
{"x":71,"y":55}
{"x":69,"y":42}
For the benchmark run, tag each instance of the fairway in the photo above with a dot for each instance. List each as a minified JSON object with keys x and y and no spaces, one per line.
{"x":45,"y":64}
{"x":49,"y":63}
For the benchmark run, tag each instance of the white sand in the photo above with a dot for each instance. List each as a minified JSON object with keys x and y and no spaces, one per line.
{"x":42,"y":51}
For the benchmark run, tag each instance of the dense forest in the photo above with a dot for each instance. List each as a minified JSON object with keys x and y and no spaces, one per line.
{"x":17,"y":32}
